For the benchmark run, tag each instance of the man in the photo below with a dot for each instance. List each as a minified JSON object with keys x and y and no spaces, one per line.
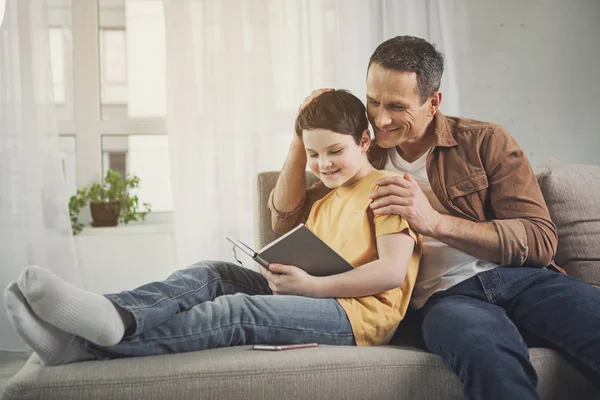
{"x":487,"y":277}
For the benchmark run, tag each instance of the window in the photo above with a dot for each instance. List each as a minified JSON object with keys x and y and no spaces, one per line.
{"x":146,"y":157}
{"x":61,"y":56}
{"x":108,"y":68}
{"x":57,"y":61}
{"x":113,"y":76}
{"x":132,"y":59}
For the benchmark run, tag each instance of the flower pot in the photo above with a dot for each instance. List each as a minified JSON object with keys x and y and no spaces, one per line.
{"x":105,"y":214}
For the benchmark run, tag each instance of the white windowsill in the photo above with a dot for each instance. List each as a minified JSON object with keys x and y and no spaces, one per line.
{"x":128,"y":230}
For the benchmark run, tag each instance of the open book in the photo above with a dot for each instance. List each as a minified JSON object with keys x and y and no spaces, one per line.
{"x":301,"y":248}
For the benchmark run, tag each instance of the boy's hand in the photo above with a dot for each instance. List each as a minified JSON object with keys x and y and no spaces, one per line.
{"x":290,"y":280}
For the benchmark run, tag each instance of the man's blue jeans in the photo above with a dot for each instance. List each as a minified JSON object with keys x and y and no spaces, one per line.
{"x":478,"y":328}
{"x":218,"y":304}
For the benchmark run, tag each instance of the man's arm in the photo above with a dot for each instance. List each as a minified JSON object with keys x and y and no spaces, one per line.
{"x":525,"y":230}
{"x":287,"y":197}
{"x":479,"y":239}
{"x":522,"y":231}
{"x":289,"y":201}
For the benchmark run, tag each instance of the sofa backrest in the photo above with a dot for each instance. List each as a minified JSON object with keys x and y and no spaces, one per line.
{"x":572,"y":194}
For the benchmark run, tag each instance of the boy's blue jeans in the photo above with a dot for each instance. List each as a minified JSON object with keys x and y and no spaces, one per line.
{"x":480,"y":327}
{"x":218,"y":304}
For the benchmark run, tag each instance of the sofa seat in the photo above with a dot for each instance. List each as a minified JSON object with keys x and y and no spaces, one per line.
{"x":325,"y":372}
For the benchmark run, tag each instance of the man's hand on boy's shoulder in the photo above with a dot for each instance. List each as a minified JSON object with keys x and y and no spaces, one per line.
{"x":401,"y":195}
{"x":289,"y":280}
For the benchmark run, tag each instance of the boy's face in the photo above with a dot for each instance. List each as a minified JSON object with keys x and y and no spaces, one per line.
{"x":335,"y":158}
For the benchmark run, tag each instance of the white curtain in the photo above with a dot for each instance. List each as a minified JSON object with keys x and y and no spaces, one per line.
{"x":237,"y":71}
{"x":34,"y":219}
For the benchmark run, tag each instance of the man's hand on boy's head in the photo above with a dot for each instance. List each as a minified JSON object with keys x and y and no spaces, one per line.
{"x":289,"y":280}
{"x":297,"y":146}
{"x":308,"y":99}
{"x":401,"y":195}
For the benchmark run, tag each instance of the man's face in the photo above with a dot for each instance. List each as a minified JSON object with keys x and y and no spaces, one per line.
{"x":394,"y":107}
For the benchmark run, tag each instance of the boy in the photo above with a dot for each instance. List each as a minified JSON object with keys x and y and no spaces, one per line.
{"x":218,"y":304}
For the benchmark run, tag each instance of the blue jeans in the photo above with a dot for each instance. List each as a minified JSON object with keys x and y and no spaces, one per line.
{"x":219,"y":304}
{"x":478,"y":328}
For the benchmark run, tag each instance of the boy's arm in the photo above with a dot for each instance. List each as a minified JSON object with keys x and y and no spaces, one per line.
{"x":395,"y":253}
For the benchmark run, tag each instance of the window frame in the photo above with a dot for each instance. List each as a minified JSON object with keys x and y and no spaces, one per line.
{"x":87,"y":125}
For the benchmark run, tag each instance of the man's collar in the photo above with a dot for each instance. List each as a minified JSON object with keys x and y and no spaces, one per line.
{"x":442,"y":131}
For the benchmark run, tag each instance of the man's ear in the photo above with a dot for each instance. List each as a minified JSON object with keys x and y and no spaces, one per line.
{"x":434,"y":103}
{"x":365,"y":140}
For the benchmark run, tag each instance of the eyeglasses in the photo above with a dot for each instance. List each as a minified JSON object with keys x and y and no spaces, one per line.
{"x":235,"y":256}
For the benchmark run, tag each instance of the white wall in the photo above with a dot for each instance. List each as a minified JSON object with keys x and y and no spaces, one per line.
{"x":125,"y":257}
{"x":532,"y":66}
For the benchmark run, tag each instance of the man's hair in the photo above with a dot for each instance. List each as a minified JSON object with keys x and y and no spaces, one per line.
{"x":412,"y":54}
{"x":339,"y":111}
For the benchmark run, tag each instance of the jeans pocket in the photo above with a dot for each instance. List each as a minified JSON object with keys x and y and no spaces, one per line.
{"x":490,"y":280}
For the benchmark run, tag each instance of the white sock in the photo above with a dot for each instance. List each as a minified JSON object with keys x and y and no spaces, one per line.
{"x":52,"y":345}
{"x":85,"y":314}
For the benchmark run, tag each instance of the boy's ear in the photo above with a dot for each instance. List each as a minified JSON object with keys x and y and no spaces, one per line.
{"x":365,"y":140}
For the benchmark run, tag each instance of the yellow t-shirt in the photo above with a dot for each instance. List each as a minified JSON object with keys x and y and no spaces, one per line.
{"x":344,"y":220}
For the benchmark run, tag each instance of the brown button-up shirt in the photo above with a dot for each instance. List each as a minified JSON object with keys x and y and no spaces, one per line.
{"x":478,"y":172}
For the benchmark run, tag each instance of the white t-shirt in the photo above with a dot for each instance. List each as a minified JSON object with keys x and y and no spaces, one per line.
{"x":442,"y":266}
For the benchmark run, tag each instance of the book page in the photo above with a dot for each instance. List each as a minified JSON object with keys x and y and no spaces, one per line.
{"x":281,"y":238}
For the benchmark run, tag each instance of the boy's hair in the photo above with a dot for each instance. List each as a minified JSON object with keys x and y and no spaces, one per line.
{"x":339,"y":111}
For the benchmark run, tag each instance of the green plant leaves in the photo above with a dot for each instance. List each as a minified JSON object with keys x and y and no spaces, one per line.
{"x":113,"y":188}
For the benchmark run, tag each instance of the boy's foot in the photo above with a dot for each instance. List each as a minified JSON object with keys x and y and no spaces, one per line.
{"x":85,"y":314}
{"x":52,"y":345}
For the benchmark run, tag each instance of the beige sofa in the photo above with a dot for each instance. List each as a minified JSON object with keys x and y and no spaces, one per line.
{"x":398,"y":371}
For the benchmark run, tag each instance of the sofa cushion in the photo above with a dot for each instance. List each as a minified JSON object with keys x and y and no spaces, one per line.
{"x":572,"y":193}
{"x":325,"y":372}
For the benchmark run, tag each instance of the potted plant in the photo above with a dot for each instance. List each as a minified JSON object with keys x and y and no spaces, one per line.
{"x":110,"y":202}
